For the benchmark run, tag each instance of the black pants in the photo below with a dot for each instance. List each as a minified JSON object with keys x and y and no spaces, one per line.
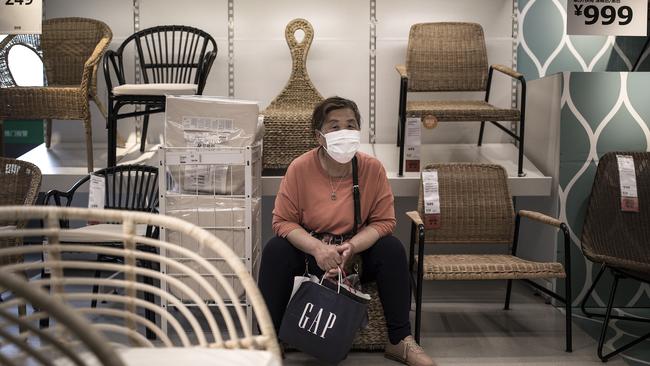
{"x":384,"y":262}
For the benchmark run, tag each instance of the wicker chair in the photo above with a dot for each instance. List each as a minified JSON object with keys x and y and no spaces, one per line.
{"x":453,"y":57}
{"x":173,"y":59}
{"x":206,"y":330}
{"x":617,"y":240}
{"x":476,"y":208}
{"x":287,"y":120}
{"x":71,"y":51}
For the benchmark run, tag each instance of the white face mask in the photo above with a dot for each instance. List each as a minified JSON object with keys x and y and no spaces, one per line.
{"x":342,"y":145}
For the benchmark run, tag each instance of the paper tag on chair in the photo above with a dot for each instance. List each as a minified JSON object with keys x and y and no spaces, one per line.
{"x":96,"y":191}
{"x":412,"y":142}
{"x":96,"y":194}
{"x":431,"y":199}
{"x":627,"y":177}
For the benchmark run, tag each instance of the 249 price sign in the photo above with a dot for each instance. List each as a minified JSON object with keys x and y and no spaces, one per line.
{"x":607,"y":17}
{"x":21,"y":16}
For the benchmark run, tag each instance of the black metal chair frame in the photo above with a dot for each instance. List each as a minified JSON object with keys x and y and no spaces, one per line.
{"x":417,"y":277}
{"x":141,"y":200}
{"x":401,"y":126}
{"x":618,"y":275}
{"x":166,"y":68}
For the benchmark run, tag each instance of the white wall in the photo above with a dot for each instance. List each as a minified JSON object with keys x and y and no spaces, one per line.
{"x":338,"y":61}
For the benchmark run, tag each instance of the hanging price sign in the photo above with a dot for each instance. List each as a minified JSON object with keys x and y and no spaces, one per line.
{"x":607,"y":17}
{"x":21,"y":16}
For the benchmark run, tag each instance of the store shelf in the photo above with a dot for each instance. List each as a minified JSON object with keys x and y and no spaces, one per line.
{"x":533,"y":184}
{"x":64,"y":164}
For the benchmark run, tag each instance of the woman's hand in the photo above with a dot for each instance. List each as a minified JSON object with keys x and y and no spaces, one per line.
{"x":327,"y":257}
{"x":346,"y":250}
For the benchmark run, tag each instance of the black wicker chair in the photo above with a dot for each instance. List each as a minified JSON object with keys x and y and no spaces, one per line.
{"x":127,"y":187}
{"x":173,"y":59}
{"x":616,"y":239}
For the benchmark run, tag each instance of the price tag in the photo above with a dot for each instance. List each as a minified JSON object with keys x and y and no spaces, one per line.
{"x":21,"y":16}
{"x":627,"y":178}
{"x":96,"y":191}
{"x":191,"y":157}
{"x":431,"y":199}
{"x":412,"y":142}
{"x":607,"y":17}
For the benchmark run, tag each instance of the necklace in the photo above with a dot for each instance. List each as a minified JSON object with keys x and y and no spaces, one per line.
{"x":333,"y":194}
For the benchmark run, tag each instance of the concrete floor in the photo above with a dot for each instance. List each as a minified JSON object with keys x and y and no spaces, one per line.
{"x":466,"y":325}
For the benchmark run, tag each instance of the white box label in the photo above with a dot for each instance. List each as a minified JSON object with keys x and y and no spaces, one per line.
{"x":21,"y":16}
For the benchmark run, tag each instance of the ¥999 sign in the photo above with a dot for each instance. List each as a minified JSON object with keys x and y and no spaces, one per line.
{"x":607,"y":17}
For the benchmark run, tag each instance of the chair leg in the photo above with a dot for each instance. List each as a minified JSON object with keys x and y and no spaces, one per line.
{"x":506,"y":306}
{"x":89,"y":144}
{"x":93,"y":303}
{"x":112,"y":135}
{"x":480,"y":133}
{"x":418,"y":299}
{"x":48,"y":132}
{"x":2,"y":138}
{"x":145,"y":126}
{"x":603,"y":332}
{"x":583,"y":303}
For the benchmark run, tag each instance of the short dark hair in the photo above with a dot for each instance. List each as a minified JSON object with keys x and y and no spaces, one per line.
{"x":331,"y":104}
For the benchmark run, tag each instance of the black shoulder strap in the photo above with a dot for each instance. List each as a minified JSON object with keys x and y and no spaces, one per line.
{"x":356,"y":195}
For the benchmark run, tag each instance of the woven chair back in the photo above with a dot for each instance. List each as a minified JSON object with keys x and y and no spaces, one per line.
{"x":287,"y":120}
{"x":71,"y":340}
{"x":446,"y":57}
{"x":67,"y":44}
{"x":299,"y":91}
{"x":31,"y":41}
{"x":609,"y":235}
{"x":199,"y":284}
{"x":475,"y":205}
{"x":170,"y":53}
{"x":20,"y":182}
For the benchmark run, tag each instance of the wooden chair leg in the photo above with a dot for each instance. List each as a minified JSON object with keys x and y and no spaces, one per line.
{"x":48,"y":132}
{"x":89,"y":144}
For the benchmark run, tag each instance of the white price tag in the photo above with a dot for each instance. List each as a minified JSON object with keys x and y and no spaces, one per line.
{"x":607,"y":17}
{"x":412,"y":143}
{"x":21,"y":16}
{"x":627,"y":180}
{"x":431,"y":199}
{"x":96,"y":191}
{"x":191,"y":157}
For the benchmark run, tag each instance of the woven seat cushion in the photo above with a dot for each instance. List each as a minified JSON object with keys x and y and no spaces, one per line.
{"x":462,"y":110}
{"x":156,"y":89}
{"x":487,"y":267}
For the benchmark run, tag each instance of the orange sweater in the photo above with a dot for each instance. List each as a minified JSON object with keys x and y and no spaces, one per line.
{"x":304,"y":198}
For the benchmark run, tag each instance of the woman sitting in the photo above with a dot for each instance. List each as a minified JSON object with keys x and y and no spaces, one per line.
{"x":314,"y":207}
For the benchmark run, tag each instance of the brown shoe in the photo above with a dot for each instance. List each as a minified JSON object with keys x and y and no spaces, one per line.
{"x":408,"y":352}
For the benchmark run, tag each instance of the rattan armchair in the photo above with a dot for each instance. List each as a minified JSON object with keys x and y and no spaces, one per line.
{"x":82,"y":344}
{"x":287,"y":119}
{"x":71,"y":50}
{"x":173,"y":59}
{"x":203,"y":332}
{"x":443,"y":57}
{"x":616,"y":239}
{"x":476,"y":208}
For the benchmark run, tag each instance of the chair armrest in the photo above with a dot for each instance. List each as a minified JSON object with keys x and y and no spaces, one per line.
{"x":508,"y":71}
{"x":540,"y":217}
{"x":90,"y":66}
{"x":401,"y":69}
{"x":112,"y":60}
{"x":415,"y":217}
{"x":55,"y":196}
{"x":204,"y":70}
